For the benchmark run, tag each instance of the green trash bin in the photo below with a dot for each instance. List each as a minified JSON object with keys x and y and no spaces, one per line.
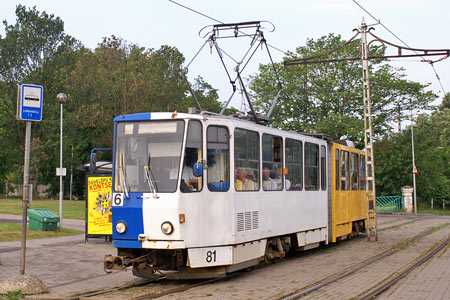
{"x":42,"y":219}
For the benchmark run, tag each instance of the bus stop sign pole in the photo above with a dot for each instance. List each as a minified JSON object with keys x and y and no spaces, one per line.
{"x":26,"y":185}
{"x":29,"y":108}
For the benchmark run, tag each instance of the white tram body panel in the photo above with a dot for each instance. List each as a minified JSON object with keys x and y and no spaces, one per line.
{"x":221,"y":227}
{"x":265,"y":213}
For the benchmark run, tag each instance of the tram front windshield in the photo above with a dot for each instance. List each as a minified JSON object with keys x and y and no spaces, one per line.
{"x":147,"y":156}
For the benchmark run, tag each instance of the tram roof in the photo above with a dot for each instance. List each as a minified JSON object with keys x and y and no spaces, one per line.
{"x":204,"y":116}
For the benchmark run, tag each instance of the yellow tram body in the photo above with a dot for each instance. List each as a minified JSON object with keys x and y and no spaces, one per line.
{"x":348,"y":192}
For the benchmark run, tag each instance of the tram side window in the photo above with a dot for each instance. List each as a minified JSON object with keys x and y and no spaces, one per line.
{"x":246,"y":160}
{"x":345,"y":178}
{"x":218,"y":158}
{"x":337,"y":179}
{"x":323,"y":167}
{"x":354,"y":171}
{"x":311,"y":167}
{"x":192,"y":154}
{"x":294,"y":164}
{"x":272,"y":163}
{"x":362,"y":171}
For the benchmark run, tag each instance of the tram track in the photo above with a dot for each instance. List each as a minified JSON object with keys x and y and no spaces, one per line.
{"x":350,"y":271}
{"x":183,"y":286}
{"x":384,"y":228}
{"x":391,"y":280}
{"x":105,"y":291}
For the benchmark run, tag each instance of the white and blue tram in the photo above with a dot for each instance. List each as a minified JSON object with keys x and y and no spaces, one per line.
{"x":202,"y":195}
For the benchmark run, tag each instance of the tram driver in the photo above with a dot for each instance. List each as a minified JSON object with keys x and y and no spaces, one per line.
{"x":189,"y":182}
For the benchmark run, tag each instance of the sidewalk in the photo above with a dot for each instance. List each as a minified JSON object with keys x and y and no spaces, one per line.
{"x":67,"y":265}
{"x":67,"y":223}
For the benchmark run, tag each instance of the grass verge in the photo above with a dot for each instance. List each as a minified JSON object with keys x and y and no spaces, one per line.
{"x":71,"y":209}
{"x":434,"y":212}
{"x":13,"y":232}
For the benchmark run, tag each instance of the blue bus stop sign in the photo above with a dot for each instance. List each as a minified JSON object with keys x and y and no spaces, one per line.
{"x":29,"y":102}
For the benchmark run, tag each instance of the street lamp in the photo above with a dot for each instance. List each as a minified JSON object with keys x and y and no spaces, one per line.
{"x":62,"y":98}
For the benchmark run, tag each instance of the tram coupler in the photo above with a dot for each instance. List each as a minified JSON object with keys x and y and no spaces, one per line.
{"x":115,"y":263}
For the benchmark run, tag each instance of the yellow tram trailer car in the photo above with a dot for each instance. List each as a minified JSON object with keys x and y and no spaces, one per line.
{"x":348,"y":192}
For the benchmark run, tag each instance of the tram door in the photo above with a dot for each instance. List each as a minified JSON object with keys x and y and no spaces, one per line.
{"x":191,"y":182}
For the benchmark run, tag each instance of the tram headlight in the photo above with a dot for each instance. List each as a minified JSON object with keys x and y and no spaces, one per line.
{"x":121,"y":227}
{"x":167,"y":227}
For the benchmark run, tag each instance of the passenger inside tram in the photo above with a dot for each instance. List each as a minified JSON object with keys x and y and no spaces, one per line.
{"x":244,"y":180}
{"x":269,"y":184}
{"x":287,"y":182}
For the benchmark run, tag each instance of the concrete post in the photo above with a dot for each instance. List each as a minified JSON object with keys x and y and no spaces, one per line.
{"x":407,"y":192}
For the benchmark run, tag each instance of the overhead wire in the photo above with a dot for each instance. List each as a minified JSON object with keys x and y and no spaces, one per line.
{"x":195,"y":11}
{"x":398,"y":38}
{"x":215,"y":20}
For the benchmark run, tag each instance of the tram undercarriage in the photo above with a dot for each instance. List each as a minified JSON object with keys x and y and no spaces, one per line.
{"x":174,"y":264}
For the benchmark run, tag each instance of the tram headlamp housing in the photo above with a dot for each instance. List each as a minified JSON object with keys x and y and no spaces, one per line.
{"x":121,"y":227}
{"x":167,"y":227}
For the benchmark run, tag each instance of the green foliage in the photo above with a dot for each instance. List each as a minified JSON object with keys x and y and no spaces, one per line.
{"x":13,"y":232}
{"x":12,"y":295}
{"x":32,"y":40}
{"x":445,"y":102}
{"x":118,"y":77}
{"x":29,"y":53}
{"x":393,"y":164}
{"x":71,"y":209}
{"x":206,"y":95}
{"x":393,"y":158}
{"x":115,"y":78}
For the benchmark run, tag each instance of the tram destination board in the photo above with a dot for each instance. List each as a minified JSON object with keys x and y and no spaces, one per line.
{"x":30,"y":102}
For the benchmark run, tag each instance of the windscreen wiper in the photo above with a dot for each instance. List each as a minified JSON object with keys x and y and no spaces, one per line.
{"x":150,"y":178}
{"x":123,"y":179}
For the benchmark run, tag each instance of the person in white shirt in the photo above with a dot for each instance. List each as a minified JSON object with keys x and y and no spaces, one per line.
{"x":287,"y":182}
{"x":269,"y":184}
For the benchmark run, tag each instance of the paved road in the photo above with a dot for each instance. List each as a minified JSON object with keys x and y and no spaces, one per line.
{"x":10,"y":221}
{"x":67,"y":223}
{"x":68,"y":266}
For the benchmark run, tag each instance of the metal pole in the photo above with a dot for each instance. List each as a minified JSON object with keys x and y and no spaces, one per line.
{"x":60,"y":170}
{"x":368,"y":139}
{"x":413,"y":162}
{"x":71,"y":176}
{"x":26,"y":185}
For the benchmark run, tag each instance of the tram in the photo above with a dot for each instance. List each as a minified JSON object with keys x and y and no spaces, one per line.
{"x":203,"y":195}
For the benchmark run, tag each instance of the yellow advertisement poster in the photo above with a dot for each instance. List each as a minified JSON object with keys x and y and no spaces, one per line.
{"x":99,"y":218}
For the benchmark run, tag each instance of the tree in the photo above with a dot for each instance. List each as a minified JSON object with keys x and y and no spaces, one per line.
{"x":445,"y":102}
{"x":121,"y":78}
{"x":25,"y":54}
{"x":206,"y":95}
{"x":328,"y":97}
{"x":33,"y":39}
{"x":393,"y":163}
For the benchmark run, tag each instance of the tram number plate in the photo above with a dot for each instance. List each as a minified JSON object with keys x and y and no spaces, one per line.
{"x":204,"y":257}
{"x":117,"y":199}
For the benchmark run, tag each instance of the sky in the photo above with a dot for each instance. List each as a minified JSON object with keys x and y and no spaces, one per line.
{"x":152,"y":23}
